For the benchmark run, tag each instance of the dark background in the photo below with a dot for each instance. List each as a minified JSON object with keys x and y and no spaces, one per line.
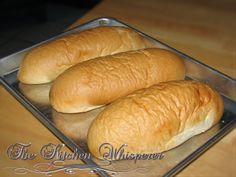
{"x":26,"y":22}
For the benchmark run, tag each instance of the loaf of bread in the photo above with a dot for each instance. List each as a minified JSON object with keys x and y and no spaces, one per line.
{"x":156,"y":119}
{"x":97,"y":82}
{"x":44,"y":63}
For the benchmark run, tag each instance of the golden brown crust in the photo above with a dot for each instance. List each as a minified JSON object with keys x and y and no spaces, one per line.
{"x":44,"y":63}
{"x":100,"y":81}
{"x":156,"y":119}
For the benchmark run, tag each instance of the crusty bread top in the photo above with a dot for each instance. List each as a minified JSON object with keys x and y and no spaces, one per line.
{"x":45,"y":62}
{"x":102,"y":80}
{"x":156,"y":119}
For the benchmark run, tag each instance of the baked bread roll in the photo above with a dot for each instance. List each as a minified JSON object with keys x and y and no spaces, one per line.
{"x":97,"y":82}
{"x":44,"y":63}
{"x":156,"y":119}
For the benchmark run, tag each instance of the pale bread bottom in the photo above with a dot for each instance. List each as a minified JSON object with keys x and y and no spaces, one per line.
{"x":190,"y":132}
